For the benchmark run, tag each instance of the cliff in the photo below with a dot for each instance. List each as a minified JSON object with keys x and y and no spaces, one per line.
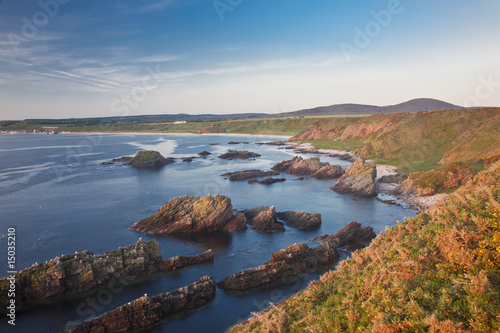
{"x":83,"y":271}
{"x":147,"y":311}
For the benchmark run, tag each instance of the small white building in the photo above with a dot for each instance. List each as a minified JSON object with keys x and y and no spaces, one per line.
{"x":180,"y":122}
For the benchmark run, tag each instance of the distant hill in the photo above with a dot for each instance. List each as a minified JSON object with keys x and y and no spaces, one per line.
{"x":420,"y":104}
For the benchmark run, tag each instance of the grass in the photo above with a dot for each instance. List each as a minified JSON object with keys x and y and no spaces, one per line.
{"x":436,"y":272}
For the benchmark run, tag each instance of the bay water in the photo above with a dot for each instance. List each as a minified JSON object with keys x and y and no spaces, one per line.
{"x":60,"y":199}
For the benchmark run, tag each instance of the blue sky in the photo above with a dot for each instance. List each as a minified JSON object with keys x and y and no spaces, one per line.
{"x":74,"y":58}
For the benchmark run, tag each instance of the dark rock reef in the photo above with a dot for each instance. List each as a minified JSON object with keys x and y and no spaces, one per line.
{"x":358,"y":180}
{"x":190,"y":214}
{"x":238,"y":154}
{"x":248,"y":174}
{"x":269,"y":181}
{"x":83,"y":271}
{"x":147,"y":311}
{"x":290,"y":261}
{"x":351,"y":237}
{"x":300,"y":220}
{"x":148,"y":159}
{"x":204,"y":153}
{"x":299,"y":166}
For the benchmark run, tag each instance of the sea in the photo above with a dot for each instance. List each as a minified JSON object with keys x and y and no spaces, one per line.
{"x":60,"y":199}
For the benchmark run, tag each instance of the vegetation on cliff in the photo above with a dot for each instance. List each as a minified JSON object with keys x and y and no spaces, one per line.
{"x":436,"y":272}
{"x":418,"y":141}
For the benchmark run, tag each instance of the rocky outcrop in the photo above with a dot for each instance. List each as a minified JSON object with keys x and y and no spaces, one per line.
{"x":83,"y":271}
{"x":269,"y":181}
{"x":351,"y":237}
{"x":189,"y":214}
{"x":237,"y":223}
{"x":148,"y":159}
{"x":212,"y":129}
{"x":266,"y":221}
{"x":290,"y":261}
{"x":329,"y":172}
{"x":300,"y":220}
{"x":147,"y":311}
{"x":299,"y":166}
{"x":204,"y":153}
{"x":393,"y":179}
{"x":248,"y":174}
{"x":358,"y":180}
{"x":428,"y":183}
{"x":238,"y":154}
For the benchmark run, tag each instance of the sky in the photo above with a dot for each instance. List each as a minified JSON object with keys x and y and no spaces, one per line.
{"x":92,"y":58}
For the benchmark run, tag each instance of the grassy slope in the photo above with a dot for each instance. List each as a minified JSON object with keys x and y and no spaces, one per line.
{"x":436,"y":272}
{"x":421,"y":141}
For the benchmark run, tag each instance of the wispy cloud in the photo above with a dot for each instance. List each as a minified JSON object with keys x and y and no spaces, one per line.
{"x":141,"y":7}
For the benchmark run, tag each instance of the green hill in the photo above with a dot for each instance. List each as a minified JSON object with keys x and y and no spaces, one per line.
{"x":415,"y":141}
{"x":436,"y":272}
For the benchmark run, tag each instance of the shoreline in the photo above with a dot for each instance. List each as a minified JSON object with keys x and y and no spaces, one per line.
{"x":184,"y":133}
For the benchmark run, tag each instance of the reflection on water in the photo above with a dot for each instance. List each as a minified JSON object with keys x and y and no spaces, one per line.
{"x":214,"y":240}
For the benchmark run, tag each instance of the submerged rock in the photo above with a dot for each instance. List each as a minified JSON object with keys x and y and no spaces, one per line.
{"x":189,"y":214}
{"x":72,"y":274}
{"x":351,"y":237}
{"x":358,"y":180}
{"x":147,"y":311}
{"x":300,"y":220}
{"x":204,"y":153}
{"x":269,"y":181}
{"x":238,"y":154}
{"x":290,"y":261}
{"x":299,"y":166}
{"x":248,"y":174}
{"x":148,"y":159}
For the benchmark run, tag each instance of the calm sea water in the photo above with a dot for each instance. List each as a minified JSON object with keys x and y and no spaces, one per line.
{"x":60,"y":199}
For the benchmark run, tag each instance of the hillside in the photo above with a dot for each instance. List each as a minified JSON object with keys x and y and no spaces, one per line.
{"x":415,"y":141}
{"x":414,"y":105}
{"x":436,"y":272}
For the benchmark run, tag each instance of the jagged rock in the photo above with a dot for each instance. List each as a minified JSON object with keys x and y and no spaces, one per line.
{"x":204,"y":153}
{"x":189,"y":214}
{"x":298,"y":166}
{"x":237,"y":223}
{"x":269,"y":181}
{"x":187,"y":159}
{"x":393,"y":179}
{"x":358,"y":180}
{"x":252,"y":181}
{"x":427,"y":183}
{"x":300,"y":220}
{"x":238,"y":154}
{"x":248,"y":174}
{"x":266,"y":221}
{"x":251,"y":213}
{"x":292,"y":260}
{"x":212,"y":129}
{"x":83,"y":271}
{"x":329,"y":172}
{"x":147,"y":311}
{"x":351,"y":237}
{"x":148,"y":159}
